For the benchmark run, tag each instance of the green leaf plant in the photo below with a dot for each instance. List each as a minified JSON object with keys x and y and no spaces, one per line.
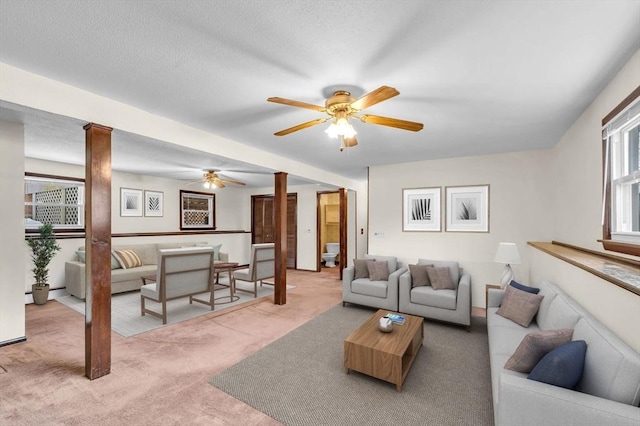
{"x":43,"y":249}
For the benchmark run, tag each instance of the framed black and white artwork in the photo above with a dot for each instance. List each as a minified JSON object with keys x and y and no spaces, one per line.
{"x":130,"y":202}
{"x":421,"y":209}
{"x":153,"y":203}
{"x":467,"y":208}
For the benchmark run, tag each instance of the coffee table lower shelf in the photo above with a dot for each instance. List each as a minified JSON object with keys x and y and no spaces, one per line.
{"x":386,"y":356}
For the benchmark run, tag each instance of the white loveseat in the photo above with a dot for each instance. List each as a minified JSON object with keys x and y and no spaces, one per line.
{"x":123,"y":280}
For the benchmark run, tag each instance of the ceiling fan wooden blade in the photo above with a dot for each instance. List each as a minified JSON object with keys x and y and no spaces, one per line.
{"x":392,"y":122}
{"x":297,"y":104}
{"x":382,"y":93}
{"x":301,"y":126}
{"x":218,"y":183}
{"x":235,"y":182}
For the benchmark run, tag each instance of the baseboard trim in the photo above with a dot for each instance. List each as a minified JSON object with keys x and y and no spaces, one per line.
{"x":13,"y":341}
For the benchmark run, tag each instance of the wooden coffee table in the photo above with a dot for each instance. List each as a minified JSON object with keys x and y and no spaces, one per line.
{"x":386,"y":356}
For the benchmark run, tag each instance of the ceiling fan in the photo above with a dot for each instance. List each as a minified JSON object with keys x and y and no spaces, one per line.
{"x":341,"y":107}
{"x":211,"y":179}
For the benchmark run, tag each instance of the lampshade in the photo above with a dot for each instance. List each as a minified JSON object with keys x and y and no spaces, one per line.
{"x":508,"y":253}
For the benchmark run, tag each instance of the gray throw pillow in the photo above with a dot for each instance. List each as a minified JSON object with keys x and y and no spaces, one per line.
{"x":534,"y":346}
{"x":419,"y":276}
{"x":519,"y":306}
{"x":361,"y":269}
{"x":378,"y":271}
{"x":440,"y":278}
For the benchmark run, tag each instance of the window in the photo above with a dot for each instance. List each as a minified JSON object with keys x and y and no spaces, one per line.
{"x":55,"y":200}
{"x":197,"y":210}
{"x":621,"y":207}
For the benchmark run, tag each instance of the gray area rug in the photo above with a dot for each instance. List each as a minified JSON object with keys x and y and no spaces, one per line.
{"x":300,"y":380}
{"x":125,"y":308}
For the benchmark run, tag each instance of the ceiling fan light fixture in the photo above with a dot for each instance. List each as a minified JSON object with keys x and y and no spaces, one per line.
{"x":341,"y":127}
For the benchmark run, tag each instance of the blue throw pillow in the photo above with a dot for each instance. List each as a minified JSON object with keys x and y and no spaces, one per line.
{"x":563,"y":366}
{"x":524,"y":287}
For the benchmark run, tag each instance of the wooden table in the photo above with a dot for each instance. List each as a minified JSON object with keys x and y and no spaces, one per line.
{"x":386,"y":356}
{"x":228,"y":267}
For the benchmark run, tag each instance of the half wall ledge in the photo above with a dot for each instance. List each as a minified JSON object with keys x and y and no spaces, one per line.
{"x":618,"y":270}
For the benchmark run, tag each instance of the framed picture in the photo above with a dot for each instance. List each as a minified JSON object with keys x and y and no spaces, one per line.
{"x":130,"y":202}
{"x":153,"y":203}
{"x":421,"y":209}
{"x":467,"y":208}
{"x":197,"y":210}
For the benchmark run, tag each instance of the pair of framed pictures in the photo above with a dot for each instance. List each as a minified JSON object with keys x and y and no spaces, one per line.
{"x":467,"y":209}
{"x":131,"y":203}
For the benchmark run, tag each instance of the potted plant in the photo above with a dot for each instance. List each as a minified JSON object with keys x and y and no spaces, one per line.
{"x":43,"y":248}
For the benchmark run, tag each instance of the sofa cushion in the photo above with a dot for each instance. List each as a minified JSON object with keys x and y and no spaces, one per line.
{"x":519,"y":306}
{"x":563,"y":366}
{"x":127,"y":258}
{"x":454,"y":269}
{"x":534,"y":346}
{"x":378,"y":270}
{"x":612,"y":369}
{"x":427,"y":296}
{"x":440,"y":278}
{"x":392,"y":261}
{"x":81,"y":255}
{"x":369,"y":288}
{"x":419,"y":276}
{"x":523,"y":287}
{"x":134,"y":274}
{"x":559,"y":314}
{"x":215,"y":247}
{"x":361,"y":270}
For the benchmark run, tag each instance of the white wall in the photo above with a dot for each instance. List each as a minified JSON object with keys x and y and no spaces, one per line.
{"x":519,"y":204}
{"x":13,"y":250}
{"x":577,"y":169}
{"x":577,"y":165}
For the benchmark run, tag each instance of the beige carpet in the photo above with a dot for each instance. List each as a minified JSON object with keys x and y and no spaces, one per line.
{"x":125,"y":308}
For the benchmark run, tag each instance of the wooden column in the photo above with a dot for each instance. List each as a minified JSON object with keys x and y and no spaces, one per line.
{"x":98,"y":250}
{"x":343,"y":229}
{"x":280,"y":292}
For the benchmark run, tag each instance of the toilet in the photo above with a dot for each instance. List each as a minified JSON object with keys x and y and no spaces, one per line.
{"x":333,"y":249}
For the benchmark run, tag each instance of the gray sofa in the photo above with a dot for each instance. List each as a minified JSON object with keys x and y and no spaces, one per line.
{"x":123,"y":280}
{"x":377,"y":294}
{"x":444,"y":305}
{"x":608,"y":392}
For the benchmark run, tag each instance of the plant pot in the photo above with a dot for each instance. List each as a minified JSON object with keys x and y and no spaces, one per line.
{"x":40,"y":293}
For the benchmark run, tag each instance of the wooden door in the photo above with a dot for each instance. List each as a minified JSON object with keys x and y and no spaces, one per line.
{"x":263,"y":223}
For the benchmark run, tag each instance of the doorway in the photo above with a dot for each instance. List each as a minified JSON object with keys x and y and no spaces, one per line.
{"x":263,"y":224}
{"x":328,"y":231}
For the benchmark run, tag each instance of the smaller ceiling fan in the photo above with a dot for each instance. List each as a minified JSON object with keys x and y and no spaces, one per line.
{"x":341,"y":107}
{"x":211,"y":179}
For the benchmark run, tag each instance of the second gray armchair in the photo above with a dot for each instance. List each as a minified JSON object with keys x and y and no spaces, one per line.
{"x":427,"y":300}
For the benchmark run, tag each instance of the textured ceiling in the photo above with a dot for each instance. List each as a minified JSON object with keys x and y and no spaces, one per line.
{"x":483,"y":76}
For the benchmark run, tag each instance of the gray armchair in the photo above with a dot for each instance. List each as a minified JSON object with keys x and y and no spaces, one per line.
{"x":261,"y":266}
{"x":450,"y":305}
{"x":382,"y":294}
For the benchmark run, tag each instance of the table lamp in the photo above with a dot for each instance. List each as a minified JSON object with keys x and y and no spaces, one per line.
{"x":508,"y":254}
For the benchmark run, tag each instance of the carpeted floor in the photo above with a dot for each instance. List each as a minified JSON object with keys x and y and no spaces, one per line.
{"x":300,"y":380}
{"x":125,"y":308}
